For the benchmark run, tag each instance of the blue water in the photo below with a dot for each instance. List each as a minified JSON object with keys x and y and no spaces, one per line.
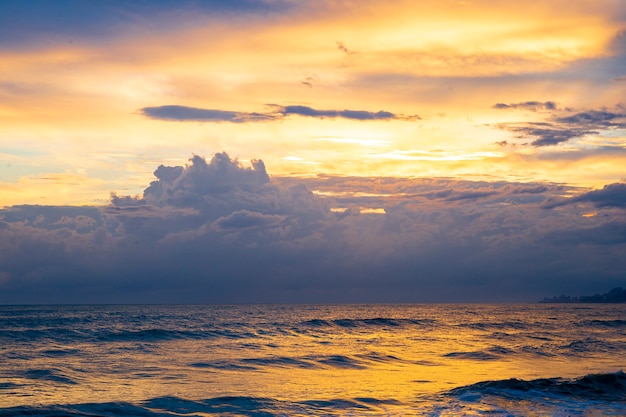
{"x":294,"y":360}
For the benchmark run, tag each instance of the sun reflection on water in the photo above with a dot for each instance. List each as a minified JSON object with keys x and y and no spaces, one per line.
{"x":376,"y":356}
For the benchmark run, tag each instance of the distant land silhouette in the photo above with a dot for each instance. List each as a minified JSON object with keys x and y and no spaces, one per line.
{"x":616,"y":295}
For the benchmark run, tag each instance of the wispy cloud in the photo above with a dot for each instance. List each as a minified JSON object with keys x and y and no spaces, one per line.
{"x":194,"y":114}
{"x":560,"y":129}
{"x":344,"y":114}
{"x":343,"y":48}
{"x":546,"y":134}
{"x":184,"y":113}
{"x":528,"y":105}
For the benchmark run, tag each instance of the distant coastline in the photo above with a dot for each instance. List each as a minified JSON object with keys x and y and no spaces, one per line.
{"x":616,"y":295}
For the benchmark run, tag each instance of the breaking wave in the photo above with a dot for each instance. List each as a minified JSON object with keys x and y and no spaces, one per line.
{"x":606,"y":387}
{"x":604,"y":393}
{"x":598,"y":394}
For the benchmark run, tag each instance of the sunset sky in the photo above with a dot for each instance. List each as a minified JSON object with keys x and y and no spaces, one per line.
{"x":473,"y":149}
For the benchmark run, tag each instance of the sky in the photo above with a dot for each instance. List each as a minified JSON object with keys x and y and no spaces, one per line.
{"x":329,"y":151}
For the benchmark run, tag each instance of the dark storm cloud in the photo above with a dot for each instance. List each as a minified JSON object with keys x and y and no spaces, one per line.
{"x":609,"y":234}
{"x":469,"y":195}
{"x":185,"y":114}
{"x":565,"y":128}
{"x":611,"y":195}
{"x":244,"y":219}
{"x":50,"y":217}
{"x":218,"y":231}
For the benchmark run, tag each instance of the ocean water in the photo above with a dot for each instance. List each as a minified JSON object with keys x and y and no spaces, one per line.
{"x":313,"y":360}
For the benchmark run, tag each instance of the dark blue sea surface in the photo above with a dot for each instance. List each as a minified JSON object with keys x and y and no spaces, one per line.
{"x":313,"y":360}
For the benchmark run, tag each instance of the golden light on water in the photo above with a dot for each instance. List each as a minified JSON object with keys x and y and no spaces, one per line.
{"x":320,"y":360}
{"x":354,"y":359}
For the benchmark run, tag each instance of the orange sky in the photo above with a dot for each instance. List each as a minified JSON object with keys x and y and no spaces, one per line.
{"x":73,"y":124}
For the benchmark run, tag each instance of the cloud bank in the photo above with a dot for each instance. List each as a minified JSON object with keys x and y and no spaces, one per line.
{"x":216,"y":231}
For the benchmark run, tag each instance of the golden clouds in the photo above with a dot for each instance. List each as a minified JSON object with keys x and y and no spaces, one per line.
{"x":447,"y":61}
{"x":446,"y":39}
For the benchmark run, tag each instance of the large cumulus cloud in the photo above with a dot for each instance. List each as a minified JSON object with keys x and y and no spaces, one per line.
{"x":218,"y":231}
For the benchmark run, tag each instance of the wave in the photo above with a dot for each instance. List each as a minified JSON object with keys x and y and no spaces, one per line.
{"x":30,"y":335}
{"x":340,"y":361}
{"x":575,"y":348}
{"x":547,"y":396}
{"x":598,"y":387}
{"x":589,"y":345}
{"x":497,"y":325}
{"x":281,"y":362}
{"x":493,"y":353}
{"x":149,"y":335}
{"x":478,"y":355}
{"x":142,"y":335}
{"x":361,"y":361}
{"x":53,"y":375}
{"x":379,"y":358}
{"x":229,"y":405}
{"x":378,"y":322}
{"x":604,"y":323}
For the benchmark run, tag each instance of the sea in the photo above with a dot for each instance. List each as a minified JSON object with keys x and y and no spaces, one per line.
{"x":313,"y":360}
